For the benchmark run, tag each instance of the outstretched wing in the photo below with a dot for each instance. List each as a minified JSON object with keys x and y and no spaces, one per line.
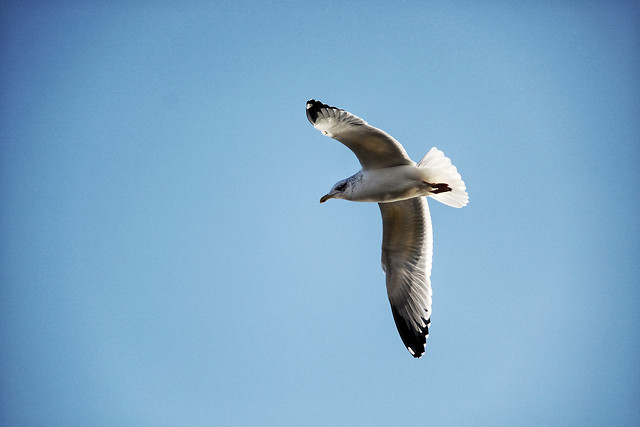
{"x":374,"y":148}
{"x":407,"y":247}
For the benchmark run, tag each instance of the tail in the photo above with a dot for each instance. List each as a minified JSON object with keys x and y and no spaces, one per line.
{"x":441,"y":171}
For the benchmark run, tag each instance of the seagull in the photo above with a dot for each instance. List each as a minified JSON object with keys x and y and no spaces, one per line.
{"x":390,"y":178}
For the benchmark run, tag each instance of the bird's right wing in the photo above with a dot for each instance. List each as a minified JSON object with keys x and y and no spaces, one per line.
{"x":374,"y":148}
{"x":407,"y":247}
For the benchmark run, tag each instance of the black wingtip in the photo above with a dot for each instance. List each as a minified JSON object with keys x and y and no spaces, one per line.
{"x":313,"y":108}
{"x":415,"y":341}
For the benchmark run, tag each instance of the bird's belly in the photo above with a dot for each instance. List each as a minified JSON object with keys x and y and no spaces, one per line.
{"x":390,"y":185}
{"x":393,"y":195}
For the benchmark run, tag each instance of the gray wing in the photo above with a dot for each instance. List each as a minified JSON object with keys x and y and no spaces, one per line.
{"x":374,"y":148}
{"x":407,"y":247}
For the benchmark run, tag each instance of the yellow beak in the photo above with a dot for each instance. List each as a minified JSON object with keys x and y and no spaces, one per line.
{"x":326,"y":197}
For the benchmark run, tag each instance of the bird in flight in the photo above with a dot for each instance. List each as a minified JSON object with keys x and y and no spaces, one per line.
{"x":391,"y":179}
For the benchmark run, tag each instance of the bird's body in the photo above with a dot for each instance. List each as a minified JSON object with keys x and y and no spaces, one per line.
{"x":389,"y":184}
{"x":390,"y":178}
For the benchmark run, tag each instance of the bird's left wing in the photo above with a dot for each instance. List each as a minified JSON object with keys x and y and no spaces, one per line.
{"x":374,"y":148}
{"x":407,"y":247}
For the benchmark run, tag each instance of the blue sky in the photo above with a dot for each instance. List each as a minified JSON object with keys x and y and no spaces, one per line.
{"x":165,"y":260}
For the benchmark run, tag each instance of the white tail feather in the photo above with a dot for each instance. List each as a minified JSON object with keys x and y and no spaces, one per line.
{"x":439,"y":170}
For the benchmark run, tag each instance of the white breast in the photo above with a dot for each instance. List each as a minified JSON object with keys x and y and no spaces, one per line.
{"x":388,"y":184}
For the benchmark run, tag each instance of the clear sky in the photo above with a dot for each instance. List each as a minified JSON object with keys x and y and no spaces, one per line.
{"x":165,"y":260}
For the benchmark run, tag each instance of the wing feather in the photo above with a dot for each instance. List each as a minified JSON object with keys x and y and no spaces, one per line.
{"x":374,"y":148}
{"x":407,"y":247}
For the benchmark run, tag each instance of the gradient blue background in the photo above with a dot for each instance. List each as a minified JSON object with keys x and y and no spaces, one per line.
{"x":165,"y":260}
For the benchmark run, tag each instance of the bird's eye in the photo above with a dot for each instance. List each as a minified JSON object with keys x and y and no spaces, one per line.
{"x":342,"y":186}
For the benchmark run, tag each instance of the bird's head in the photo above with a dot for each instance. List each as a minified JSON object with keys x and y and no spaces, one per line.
{"x":340,"y":190}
